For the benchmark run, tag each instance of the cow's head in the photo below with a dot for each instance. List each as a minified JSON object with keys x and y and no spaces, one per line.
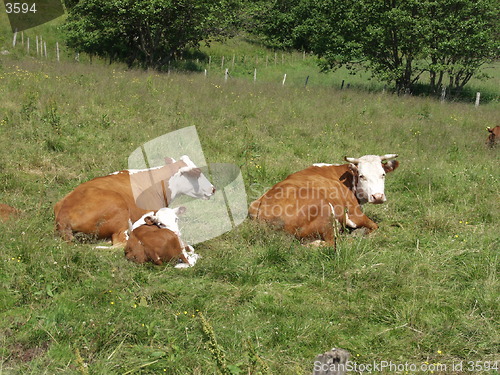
{"x":168,"y":218}
{"x":189,"y":180}
{"x":369,"y":176}
{"x":494,"y":136}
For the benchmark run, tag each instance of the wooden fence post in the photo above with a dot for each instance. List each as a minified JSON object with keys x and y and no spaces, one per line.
{"x":57,"y":50}
{"x":333,"y":362}
{"x":226,"y":74}
{"x":478,"y":98}
{"x":14,"y":39}
{"x":284,"y":79}
{"x":443,"y":94}
{"x":255,"y":75}
{"x":37,"y":45}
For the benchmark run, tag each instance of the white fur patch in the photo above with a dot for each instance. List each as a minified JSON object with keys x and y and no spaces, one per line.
{"x":166,"y":217}
{"x":134,"y":171}
{"x":349,"y":222}
{"x":324,"y":165}
{"x":141,"y":221}
{"x":191,"y":256}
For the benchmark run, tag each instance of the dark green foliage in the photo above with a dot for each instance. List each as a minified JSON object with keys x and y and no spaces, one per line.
{"x":396,"y":40}
{"x":145,"y":33}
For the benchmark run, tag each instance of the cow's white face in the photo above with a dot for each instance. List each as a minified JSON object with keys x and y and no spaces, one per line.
{"x":190,"y":181}
{"x":169,"y":218}
{"x":369,"y":172}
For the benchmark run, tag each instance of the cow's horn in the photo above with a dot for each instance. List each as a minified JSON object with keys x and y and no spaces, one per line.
{"x":351,"y":160}
{"x":388,"y":156}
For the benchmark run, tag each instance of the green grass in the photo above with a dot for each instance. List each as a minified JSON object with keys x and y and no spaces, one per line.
{"x":422,"y":288}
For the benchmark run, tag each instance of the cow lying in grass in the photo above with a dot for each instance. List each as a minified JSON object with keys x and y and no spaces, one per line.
{"x":156,"y":238}
{"x":7,"y":212}
{"x":308,"y":203}
{"x":103,"y":206}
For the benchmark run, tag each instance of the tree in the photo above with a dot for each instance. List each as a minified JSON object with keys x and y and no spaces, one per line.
{"x":145,"y":32}
{"x":397,"y":40}
{"x":461,"y":37}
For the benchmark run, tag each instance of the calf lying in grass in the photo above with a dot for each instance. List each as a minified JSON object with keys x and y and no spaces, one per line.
{"x":155,"y":237}
{"x":7,"y":212}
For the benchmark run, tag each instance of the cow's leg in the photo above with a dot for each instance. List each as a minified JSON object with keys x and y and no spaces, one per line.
{"x":155,"y":258}
{"x":322,"y":227}
{"x":65,"y":231}
{"x":188,"y":257}
{"x":119,"y":239}
{"x":358,"y":219}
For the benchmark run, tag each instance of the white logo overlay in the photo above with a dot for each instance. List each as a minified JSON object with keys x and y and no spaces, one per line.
{"x":204,"y":218}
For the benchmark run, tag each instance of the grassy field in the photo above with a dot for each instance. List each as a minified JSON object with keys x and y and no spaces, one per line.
{"x":422,"y":289}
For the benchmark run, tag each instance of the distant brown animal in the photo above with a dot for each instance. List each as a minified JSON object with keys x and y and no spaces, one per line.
{"x":307,"y":202}
{"x":156,"y":238}
{"x":7,"y":212}
{"x":494,"y":136}
{"x":103,"y":206}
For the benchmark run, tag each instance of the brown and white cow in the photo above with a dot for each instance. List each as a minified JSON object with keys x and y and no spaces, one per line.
{"x":494,"y":136}
{"x":7,"y":212}
{"x":103,"y":205}
{"x":156,"y":237}
{"x":307,"y":202}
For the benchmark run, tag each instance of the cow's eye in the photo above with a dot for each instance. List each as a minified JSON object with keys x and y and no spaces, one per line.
{"x":383,"y":175}
{"x":362,"y":177}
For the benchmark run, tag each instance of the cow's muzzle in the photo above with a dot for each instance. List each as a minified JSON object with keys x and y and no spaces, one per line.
{"x":377,"y":198}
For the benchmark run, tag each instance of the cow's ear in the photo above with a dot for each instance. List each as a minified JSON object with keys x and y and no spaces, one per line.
{"x":353,"y":168}
{"x":180,"y":210}
{"x":195,"y":172}
{"x":390,"y":165}
{"x":149,"y":220}
{"x":169,"y":160}
{"x":490,"y":129}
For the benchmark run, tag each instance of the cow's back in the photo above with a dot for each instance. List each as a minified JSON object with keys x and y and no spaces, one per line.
{"x":297,"y":184}
{"x":101,"y":206}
